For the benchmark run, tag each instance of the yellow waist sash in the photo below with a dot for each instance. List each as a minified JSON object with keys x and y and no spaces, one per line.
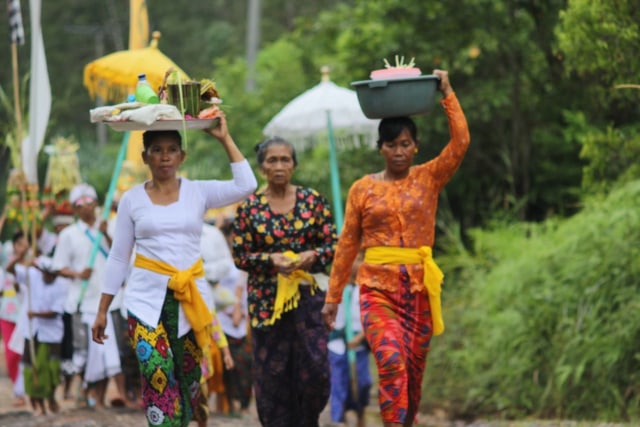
{"x":9,"y":293}
{"x":288,"y":290}
{"x":184,"y":287}
{"x":432,"y":278}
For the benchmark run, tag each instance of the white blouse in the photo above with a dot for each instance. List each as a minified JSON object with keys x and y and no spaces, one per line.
{"x":73,"y":251}
{"x":43,"y":297}
{"x":170,"y":234}
{"x":339,"y":346}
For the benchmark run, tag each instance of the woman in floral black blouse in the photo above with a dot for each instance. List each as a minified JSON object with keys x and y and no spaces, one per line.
{"x":283,"y":234}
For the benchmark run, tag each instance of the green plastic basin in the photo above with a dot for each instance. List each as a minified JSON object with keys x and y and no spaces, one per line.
{"x":397,"y":97}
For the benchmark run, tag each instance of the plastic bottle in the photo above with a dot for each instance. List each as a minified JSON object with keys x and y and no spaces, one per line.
{"x":144,"y":92}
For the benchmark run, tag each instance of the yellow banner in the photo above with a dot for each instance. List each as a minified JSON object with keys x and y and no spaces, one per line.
{"x":138,"y":24}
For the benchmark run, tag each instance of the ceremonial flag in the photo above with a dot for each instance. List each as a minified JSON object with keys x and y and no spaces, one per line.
{"x":39,"y":98}
{"x":138,"y":24}
{"x":16,"y":29}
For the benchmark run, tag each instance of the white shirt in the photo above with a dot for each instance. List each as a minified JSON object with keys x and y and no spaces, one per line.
{"x":338,"y":346}
{"x":171,"y":234}
{"x":230,"y":282}
{"x":43,"y":297}
{"x":73,"y":251}
{"x":216,"y":254}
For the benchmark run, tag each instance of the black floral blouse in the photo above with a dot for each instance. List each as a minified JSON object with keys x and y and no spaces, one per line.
{"x":258,"y":232}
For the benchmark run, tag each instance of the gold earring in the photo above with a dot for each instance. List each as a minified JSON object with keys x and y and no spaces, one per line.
{"x":415,"y":151}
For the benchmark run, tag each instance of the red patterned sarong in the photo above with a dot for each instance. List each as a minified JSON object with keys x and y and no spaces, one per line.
{"x":398,"y":327}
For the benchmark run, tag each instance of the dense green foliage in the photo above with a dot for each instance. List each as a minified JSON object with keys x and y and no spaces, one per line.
{"x":537,"y":232}
{"x":544,"y":319}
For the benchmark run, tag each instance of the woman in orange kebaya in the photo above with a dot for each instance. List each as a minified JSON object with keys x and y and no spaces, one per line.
{"x":391,"y":215}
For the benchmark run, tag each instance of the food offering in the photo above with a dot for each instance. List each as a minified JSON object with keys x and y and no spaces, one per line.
{"x":63,"y":173}
{"x":394,"y":91}
{"x":178,"y":105}
{"x":398,"y":71}
{"x":209,"y":95}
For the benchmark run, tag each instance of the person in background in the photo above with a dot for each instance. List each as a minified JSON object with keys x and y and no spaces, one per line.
{"x":41,"y":322}
{"x":216,"y":254}
{"x":129,"y":392}
{"x":282,"y":234}
{"x":232,"y":314}
{"x":216,"y":357}
{"x":45,"y":238}
{"x":9,"y":312}
{"x":166,"y":294}
{"x":59,"y":223}
{"x":217,"y":260}
{"x":350,"y":379}
{"x":94,"y":363}
{"x":128,"y":359}
{"x":391,"y":214}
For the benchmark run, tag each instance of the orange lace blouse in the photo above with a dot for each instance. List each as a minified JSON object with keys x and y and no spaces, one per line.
{"x":400,"y":213}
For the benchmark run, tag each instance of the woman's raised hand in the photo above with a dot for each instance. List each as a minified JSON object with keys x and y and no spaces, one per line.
{"x":445,"y":85}
{"x":221,"y":131}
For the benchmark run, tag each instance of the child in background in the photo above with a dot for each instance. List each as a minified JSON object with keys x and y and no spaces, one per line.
{"x":348,"y":336}
{"x":41,"y":321}
{"x":9,"y":313}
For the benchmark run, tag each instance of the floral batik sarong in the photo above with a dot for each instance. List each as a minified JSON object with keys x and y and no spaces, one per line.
{"x":169,"y":367}
{"x":291,"y":366}
{"x":398,"y":328}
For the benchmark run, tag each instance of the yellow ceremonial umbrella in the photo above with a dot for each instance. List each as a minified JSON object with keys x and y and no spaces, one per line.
{"x":113,"y":77}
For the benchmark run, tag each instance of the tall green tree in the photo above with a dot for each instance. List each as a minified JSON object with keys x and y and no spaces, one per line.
{"x":599,"y":43}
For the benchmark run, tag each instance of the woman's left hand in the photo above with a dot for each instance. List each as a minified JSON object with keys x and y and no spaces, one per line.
{"x":306,"y":261}
{"x":282,"y":263}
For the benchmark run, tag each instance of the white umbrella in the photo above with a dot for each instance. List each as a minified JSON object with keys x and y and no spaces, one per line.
{"x":326,"y":107}
{"x":306,"y":114}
